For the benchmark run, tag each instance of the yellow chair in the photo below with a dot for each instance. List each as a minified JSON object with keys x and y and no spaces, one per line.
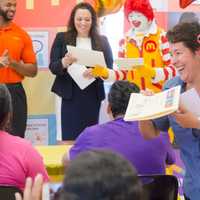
{"x":52,"y":157}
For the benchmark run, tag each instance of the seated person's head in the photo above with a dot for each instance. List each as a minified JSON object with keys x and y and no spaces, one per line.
{"x":118,"y":97}
{"x":5,"y":108}
{"x":188,"y":17}
{"x":100,"y":175}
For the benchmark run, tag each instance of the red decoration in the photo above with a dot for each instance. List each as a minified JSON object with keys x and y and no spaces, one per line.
{"x":185,"y":3}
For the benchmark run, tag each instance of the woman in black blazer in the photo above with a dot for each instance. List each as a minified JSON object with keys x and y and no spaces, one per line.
{"x":79,"y":108}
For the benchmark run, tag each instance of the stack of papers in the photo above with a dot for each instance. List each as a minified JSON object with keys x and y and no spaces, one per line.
{"x":129,"y":63}
{"x":141,"y":107}
{"x":76,"y":72}
{"x":191,"y":101}
{"x":85,"y":57}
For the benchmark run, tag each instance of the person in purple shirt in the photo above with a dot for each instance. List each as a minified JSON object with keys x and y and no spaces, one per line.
{"x":147,"y":156}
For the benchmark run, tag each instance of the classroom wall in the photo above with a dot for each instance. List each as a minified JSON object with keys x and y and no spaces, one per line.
{"x":43,"y":19}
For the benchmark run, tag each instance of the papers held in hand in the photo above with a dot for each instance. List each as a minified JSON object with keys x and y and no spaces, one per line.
{"x":129,"y":63}
{"x":141,"y":107}
{"x":191,"y":101}
{"x":87,"y":57}
{"x":76,"y":72}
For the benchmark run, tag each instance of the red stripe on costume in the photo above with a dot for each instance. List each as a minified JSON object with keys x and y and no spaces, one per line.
{"x":121,"y":42}
{"x":166,"y":73}
{"x":117,"y":75}
{"x":167,"y":62}
{"x":132,"y":75}
{"x":173,"y":70}
{"x":124,"y":72}
{"x":159,"y":86}
{"x":143,"y":83}
{"x":164,"y":39}
{"x":141,"y":53}
{"x":121,"y":54}
{"x":153,"y":63}
{"x":165,"y":51}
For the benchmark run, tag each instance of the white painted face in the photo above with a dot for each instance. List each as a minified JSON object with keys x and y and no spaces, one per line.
{"x":138,"y":21}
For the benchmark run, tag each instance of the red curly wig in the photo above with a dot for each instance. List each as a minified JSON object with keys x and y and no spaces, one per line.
{"x":142,"y":6}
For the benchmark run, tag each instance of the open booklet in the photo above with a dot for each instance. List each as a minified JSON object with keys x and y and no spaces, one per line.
{"x":141,"y":107}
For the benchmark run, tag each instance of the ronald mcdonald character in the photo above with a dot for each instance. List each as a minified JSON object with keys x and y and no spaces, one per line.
{"x":144,"y":40}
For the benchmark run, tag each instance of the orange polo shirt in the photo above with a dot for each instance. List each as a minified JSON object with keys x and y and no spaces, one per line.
{"x":20,"y":48}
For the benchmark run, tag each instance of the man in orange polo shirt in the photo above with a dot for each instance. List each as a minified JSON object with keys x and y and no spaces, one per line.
{"x":17,"y":60}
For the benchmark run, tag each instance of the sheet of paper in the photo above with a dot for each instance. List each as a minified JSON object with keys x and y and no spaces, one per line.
{"x":87,"y":57}
{"x":191,"y":100}
{"x":129,"y":63}
{"x":76,"y":72}
{"x":141,"y":107}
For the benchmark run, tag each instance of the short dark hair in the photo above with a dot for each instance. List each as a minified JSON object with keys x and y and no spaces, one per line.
{"x":188,"y":17}
{"x":187,"y":33}
{"x":100,"y":175}
{"x":5,"y":108}
{"x":119,"y":94}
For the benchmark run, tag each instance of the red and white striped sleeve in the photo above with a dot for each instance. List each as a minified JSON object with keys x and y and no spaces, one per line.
{"x":121,"y":51}
{"x":169,"y":71}
{"x":116,"y":75}
{"x":164,"y":46}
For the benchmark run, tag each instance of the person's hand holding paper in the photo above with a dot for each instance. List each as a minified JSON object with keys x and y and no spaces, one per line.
{"x":129,"y":63}
{"x":84,"y":57}
{"x":100,"y":71}
{"x":67,"y":60}
{"x":87,"y":57}
{"x":80,"y":75}
{"x":188,"y":114}
{"x":185,"y":118}
{"x":144,"y":107}
{"x":91,"y":58}
{"x":88,"y":73}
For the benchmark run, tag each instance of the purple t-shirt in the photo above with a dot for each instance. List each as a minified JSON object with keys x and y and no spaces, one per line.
{"x":18,"y":160}
{"x":148,"y":156}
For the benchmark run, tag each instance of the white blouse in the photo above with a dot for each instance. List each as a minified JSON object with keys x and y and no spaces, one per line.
{"x":84,"y":42}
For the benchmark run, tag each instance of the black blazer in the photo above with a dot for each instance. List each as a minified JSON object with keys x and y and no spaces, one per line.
{"x":63,"y":84}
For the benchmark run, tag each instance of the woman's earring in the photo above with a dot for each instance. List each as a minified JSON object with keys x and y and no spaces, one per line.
{"x":198,"y":39}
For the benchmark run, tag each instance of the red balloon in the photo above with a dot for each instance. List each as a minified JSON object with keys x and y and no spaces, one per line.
{"x":185,"y":3}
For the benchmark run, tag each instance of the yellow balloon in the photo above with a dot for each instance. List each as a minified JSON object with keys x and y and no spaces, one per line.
{"x":105,"y":7}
